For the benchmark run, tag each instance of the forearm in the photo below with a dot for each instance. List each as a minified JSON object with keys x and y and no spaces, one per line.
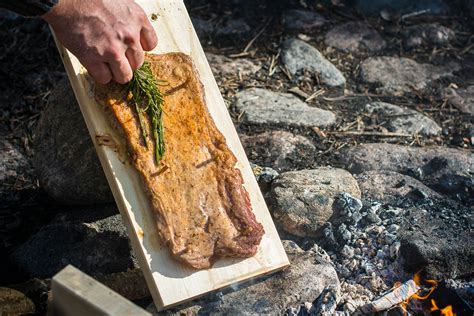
{"x":28,"y":7}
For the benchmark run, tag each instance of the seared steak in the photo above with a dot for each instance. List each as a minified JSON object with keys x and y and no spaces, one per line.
{"x":202,"y":210}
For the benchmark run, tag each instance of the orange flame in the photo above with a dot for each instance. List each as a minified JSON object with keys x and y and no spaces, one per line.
{"x":446,"y":311}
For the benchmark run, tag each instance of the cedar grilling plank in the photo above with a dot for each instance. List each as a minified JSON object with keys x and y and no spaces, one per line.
{"x":201,"y":207}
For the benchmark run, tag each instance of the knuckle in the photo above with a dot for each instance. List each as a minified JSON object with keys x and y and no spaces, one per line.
{"x":141,"y":16}
{"x":113,"y":54}
{"x":131,"y":41}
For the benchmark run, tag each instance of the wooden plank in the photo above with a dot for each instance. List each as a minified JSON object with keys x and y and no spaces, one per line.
{"x":75,"y":293}
{"x":171,"y":283}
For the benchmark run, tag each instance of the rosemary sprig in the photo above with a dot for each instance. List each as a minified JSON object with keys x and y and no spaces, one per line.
{"x":143,"y":91}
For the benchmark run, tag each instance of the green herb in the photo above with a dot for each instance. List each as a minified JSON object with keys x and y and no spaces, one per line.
{"x":144,"y":93}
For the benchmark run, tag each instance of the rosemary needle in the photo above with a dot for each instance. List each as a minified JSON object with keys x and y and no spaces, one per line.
{"x":143,"y":91}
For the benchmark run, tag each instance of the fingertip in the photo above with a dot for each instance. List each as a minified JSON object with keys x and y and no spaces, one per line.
{"x":135,"y":57}
{"x":148,"y":38}
{"x":121,"y":70}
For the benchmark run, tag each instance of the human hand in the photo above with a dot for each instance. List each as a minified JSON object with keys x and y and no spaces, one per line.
{"x":107,"y":36}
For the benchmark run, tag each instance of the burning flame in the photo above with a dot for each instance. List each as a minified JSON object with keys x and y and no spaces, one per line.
{"x":423,"y":294}
{"x":447,"y":311}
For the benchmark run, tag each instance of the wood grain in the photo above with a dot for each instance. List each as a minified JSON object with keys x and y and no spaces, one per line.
{"x":170,"y":282}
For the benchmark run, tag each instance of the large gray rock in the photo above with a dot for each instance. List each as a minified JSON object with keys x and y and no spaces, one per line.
{"x":298,"y":55}
{"x":427,"y":35}
{"x":303,"y":201}
{"x":262,"y":106}
{"x":94,"y":241}
{"x":402,"y":120}
{"x":446,"y":170}
{"x":302,"y":21}
{"x":462,"y":99}
{"x":438,"y":243}
{"x":309,"y":274}
{"x":390,"y":186}
{"x":399,"y":75}
{"x":224,"y":66}
{"x":279,"y":150}
{"x":65,"y":159}
{"x":354,"y":37}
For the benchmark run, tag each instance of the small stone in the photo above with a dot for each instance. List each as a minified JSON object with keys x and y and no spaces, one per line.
{"x":355,"y":218}
{"x":261,"y":106}
{"x":264,"y":176}
{"x":373,"y":218}
{"x":394,"y":249}
{"x":427,"y":35}
{"x":302,"y":21}
{"x":462,"y":99}
{"x":302,"y":201}
{"x":403,"y":120}
{"x":380,"y":254}
{"x":378,"y":229}
{"x":393,"y":228}
{"x":348,"y":202}
{"x":374,"y":207}
{"x":329,"y":240}
{"x":392,"y":212}
{"x":390,"y":238}
{"x":368,"y":267}
{"x":280,"y":150}
{"x":349,"y":308}
{"x":354,"y":37}
{"x":224,"y":66}
{"x":298,"y":55}
{"x":347,"y":251}
{"x":344,"y":232}
{"x":399,"y":75}
{"x":348,"y":208}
